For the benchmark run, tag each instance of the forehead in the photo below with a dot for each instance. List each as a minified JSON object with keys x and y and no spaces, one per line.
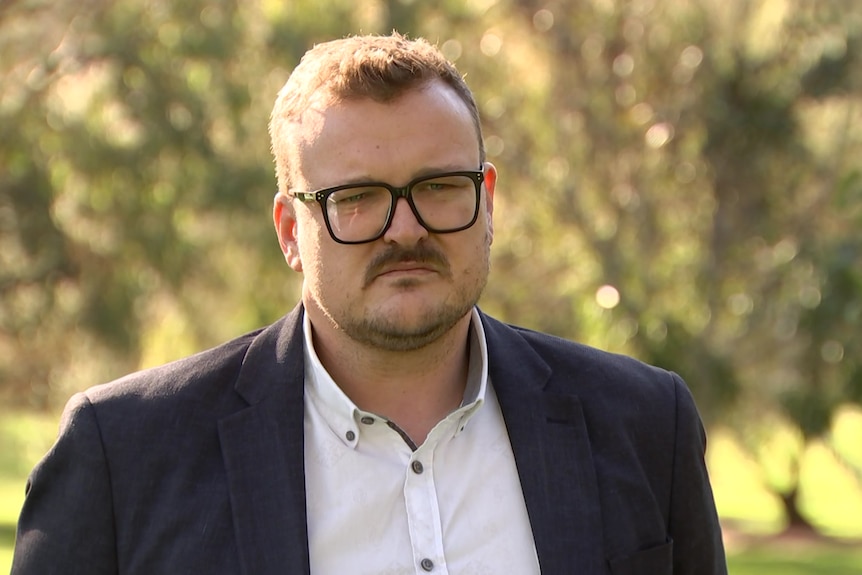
{"x":423,"y":129}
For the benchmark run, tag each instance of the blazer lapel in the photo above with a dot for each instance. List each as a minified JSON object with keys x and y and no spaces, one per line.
{"x":262,"y":447}
{"x":552,"y":452}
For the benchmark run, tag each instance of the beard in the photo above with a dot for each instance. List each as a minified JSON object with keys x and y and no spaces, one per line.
{"x":394,"y":331}
{"x":390,"y":334}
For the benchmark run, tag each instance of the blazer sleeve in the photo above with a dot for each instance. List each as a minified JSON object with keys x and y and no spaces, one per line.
{"x":66,"y":524}
{"x":693,"y":525}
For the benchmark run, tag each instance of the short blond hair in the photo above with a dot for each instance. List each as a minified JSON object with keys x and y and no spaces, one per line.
{"x":377,"y":67}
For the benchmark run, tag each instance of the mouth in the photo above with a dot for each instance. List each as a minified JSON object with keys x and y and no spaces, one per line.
{"x":408,"y":266}
{"x":406,"y":269}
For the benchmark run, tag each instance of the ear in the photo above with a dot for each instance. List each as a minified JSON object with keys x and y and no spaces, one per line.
{"x":285,"y":222}
{"x":490,"y":185}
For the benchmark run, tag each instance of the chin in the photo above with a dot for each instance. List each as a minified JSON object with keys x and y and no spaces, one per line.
{"x":405,"y":326}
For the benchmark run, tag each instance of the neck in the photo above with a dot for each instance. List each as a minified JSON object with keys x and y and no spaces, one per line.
{"x":414,"y":389}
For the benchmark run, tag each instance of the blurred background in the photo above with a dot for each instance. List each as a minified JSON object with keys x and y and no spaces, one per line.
{"x":680,"y":180}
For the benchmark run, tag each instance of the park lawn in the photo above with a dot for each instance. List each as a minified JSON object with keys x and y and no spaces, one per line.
{"x":24,"y":438}
{"x":11,"y":498}
{"x":815,"y":560}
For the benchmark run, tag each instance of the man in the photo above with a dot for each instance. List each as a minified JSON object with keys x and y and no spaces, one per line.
{"x":385,"y":425}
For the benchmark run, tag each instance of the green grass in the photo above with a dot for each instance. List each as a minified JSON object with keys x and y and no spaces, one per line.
{"x":24,"y":438}
{"x":780,"y":561}
{"x":11,"y":497}
{"x":830,"y":495}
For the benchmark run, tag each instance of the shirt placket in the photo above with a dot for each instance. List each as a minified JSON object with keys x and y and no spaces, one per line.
{"x":423,"y":513}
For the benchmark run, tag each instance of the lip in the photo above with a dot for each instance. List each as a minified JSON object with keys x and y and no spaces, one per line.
{"x":406,"y":268}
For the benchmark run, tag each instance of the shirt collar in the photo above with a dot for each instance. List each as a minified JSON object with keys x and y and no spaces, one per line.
{"x":343,"y":416}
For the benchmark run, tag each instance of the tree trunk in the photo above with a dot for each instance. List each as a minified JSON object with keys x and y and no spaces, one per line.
{"x":796,"y":520}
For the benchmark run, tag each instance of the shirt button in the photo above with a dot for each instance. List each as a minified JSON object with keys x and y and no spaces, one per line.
{"x":350,"y":436}
{"x":427,"y":564}
{"x":367,"y":420}
{"x":417,"y":469}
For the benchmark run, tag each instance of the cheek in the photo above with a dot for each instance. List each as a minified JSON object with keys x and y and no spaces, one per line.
{"x":327,"y":263}
{"x":310,"y":237}
{"x":471,"y":257}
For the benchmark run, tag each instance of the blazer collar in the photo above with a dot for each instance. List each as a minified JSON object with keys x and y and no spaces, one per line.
{"x":551,"y":445}
{"x":262,"y":448}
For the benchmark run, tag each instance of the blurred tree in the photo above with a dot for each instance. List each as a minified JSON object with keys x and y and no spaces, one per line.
{"x":679,"y":181}
{"x":691,"y":189}
{"x":133,"y":166}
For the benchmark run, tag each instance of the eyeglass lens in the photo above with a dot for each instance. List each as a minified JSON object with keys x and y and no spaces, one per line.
{"x":442,"y":204}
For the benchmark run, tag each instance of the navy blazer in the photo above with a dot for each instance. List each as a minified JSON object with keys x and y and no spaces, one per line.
{"x":197,"y":467}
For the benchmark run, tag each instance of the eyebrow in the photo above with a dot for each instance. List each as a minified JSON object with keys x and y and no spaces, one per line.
{"x":429,"y":171}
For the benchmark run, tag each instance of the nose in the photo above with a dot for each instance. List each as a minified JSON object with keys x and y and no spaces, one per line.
{"x":405,"y":228}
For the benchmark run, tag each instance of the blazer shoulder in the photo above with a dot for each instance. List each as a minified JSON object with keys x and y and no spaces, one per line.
{"x":182,"y":376}
{"x":211,"y":376}
{"x":580,"y":368}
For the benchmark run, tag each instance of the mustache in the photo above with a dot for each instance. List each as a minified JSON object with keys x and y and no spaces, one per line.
{"x":420,"y":254}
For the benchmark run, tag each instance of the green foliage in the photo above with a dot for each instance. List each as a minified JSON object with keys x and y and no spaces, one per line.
{"x":138,"y":171}
{"x":679,"y":181}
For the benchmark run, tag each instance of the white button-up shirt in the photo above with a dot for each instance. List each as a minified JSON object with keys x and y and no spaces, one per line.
{"x":379,"y":505}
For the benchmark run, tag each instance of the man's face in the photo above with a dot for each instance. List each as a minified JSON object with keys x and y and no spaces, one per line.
{"x":409,"y":287}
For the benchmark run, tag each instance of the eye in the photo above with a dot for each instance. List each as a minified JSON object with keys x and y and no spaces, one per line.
{"x":433,"y":186}
{"x":447,"y":184}
{"x":364,"y":196}
{"x":352,"y":198}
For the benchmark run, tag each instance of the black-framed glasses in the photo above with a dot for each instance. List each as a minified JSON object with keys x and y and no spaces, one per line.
{"x":358,"y":213}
